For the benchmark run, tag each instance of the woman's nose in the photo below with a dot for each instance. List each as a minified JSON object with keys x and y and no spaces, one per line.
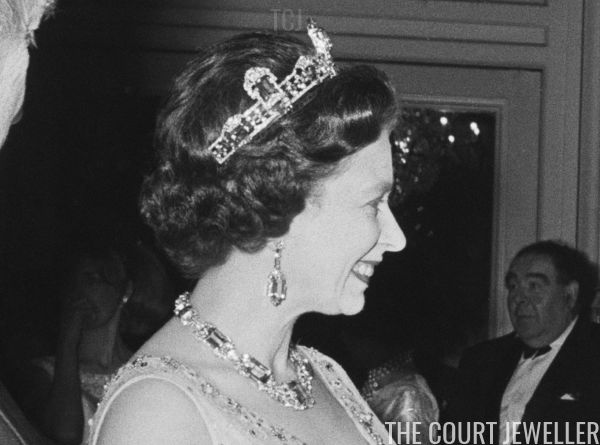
{"x":391,"y":233}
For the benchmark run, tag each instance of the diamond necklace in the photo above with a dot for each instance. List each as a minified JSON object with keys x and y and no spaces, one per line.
{"x":295,"y":394}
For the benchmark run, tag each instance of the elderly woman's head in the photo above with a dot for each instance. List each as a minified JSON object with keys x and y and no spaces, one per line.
{"x":18,"y":20}
{"x":200,"y":210}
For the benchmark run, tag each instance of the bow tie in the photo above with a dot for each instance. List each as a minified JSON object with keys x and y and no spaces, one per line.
{"x":529,"y":352}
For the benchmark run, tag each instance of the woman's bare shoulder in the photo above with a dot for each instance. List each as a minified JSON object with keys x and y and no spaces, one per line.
{"x":151,"y":411}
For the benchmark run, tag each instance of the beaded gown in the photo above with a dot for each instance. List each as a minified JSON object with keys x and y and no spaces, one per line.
{"x":398,"y":393}
{"x":228,"y":421}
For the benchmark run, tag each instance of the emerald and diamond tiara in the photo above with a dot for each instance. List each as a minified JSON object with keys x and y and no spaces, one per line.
{"x":272,"y":99}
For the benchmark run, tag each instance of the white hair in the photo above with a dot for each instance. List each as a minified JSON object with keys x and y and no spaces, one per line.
{"x":18,"y":20}
{"x":22,"y":17}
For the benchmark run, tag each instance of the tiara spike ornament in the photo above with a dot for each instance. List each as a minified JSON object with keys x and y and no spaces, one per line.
{"x":273,"y":99}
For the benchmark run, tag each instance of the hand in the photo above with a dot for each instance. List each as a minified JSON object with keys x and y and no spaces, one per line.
{"x":75,"y":310}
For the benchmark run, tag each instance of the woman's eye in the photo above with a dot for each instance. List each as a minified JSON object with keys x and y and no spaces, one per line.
{"x":92,"y":277}
{"x":375,"y":205}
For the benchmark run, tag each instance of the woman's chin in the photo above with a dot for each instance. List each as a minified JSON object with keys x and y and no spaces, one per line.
{"x":352,"y":304}
{"x":347,"y":305}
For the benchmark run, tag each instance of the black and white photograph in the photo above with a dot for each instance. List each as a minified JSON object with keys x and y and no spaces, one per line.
{"x":341,"y":222}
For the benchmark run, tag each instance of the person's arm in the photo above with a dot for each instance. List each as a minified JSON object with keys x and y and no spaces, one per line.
{"x":151,"y":412}
{"x":61,"y":411}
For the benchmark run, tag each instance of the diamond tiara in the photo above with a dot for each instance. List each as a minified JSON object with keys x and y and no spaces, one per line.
{"x":273,"y":99}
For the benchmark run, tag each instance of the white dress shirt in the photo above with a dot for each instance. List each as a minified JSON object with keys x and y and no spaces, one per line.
{"x":524,"y":381}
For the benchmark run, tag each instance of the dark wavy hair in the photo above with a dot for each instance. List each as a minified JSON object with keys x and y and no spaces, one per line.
{"x":200,"y":210}
{"x":571,"y":265}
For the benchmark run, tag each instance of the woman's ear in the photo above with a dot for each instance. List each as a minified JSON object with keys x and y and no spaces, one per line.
{"x":276,"y":244}
{"x":128,"y":291}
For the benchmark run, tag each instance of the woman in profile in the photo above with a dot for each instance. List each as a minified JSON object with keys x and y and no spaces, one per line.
{"x":272,"y":192}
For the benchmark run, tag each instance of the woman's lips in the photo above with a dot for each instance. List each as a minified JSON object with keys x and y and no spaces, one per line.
{"x":364,"y":270}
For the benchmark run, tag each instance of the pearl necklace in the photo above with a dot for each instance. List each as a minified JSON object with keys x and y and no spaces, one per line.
{"x":295,"y":394}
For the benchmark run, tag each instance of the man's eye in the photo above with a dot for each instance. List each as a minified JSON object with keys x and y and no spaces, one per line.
{"x":533,"y":285}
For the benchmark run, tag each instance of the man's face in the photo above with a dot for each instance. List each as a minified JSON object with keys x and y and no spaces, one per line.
{"x":540,"y":306}
{"x":595,"y":308}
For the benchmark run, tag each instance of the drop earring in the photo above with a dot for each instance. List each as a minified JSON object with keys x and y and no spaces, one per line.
{"x":128,"y":292}
{"x":276,"y":284}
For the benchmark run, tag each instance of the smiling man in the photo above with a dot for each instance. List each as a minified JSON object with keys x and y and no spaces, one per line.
{"x":548,"y":369}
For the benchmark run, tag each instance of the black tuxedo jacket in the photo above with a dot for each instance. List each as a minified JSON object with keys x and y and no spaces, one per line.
{"x":569,"y":391}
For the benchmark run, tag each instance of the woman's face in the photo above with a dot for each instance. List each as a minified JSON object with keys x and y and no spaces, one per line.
{"x":101,"y":283}
{"x":334,"y":245}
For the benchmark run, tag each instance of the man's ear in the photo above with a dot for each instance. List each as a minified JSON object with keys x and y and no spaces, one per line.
{"x":572,"y":292}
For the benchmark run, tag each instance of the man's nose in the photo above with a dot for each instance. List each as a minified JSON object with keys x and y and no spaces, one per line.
{"x":518,"y":295}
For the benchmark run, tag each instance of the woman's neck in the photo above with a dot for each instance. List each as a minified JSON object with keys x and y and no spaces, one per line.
{"x":233,"y":298}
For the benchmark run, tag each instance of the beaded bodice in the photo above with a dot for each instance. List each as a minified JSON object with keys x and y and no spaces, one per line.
{"x":227,"y":420}
{"x":92,"y":383}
